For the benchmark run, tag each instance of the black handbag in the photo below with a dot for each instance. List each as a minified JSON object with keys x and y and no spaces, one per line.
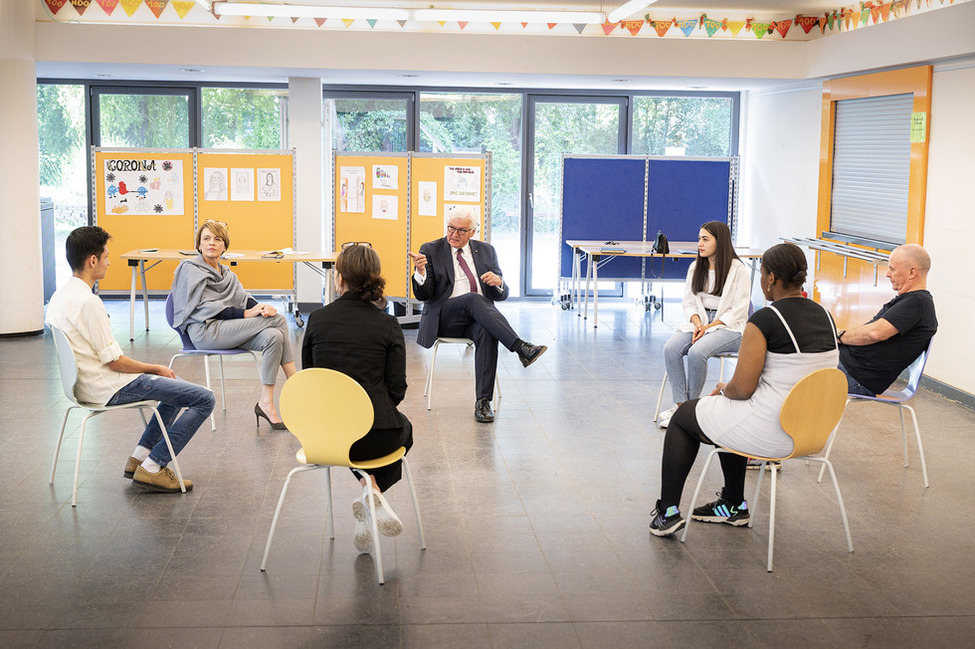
{"x":660,"y":245}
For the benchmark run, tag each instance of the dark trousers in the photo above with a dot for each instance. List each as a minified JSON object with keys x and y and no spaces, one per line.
{"x":853,"y":386}
{"x":383,"y":441}
{"x":474,"y":316}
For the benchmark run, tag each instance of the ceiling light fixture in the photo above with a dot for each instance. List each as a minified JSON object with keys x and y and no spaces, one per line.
{"x":628,"y":9}
{"x":307,"y":11}
{"x":501,"y":16}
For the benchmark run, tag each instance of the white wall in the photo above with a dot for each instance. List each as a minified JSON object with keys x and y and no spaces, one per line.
{"x":949,"y":224}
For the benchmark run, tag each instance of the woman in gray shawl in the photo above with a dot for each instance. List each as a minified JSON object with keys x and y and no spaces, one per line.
{"x":211,"y":306}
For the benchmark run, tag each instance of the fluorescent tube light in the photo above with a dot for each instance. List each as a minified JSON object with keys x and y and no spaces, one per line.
{"x":628,"y":9}
{"x":307,"y":11}
{"x":492,"y":16}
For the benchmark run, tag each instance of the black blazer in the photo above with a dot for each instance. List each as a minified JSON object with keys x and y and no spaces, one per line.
{"x":440,"y":282}
{"x":358,"y":339}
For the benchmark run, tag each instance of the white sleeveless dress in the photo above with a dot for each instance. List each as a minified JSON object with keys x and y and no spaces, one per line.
{"x":752,"y":426}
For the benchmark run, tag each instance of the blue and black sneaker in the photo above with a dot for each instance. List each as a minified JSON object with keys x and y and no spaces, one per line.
{"x":722,"y":511}
{"x":665,"y":523}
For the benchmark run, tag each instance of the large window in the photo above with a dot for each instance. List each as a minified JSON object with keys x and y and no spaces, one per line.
{"x":368,"y":122}
{"x":244,"y":118}
{"x":693,"y":126}
{"x":126,"y":117}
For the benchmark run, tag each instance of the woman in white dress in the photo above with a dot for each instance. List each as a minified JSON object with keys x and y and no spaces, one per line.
{"x":781,"y":344}
{"x":716,"y":298}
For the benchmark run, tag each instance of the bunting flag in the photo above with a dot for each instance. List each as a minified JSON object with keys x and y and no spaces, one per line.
{"x":348,"y":21}
{"x":321,"y":21}
{"x":686,"y":26}
{"x":853,"y":17}
{"x":294,"y":19}
{"x":632,"y":26}
{"x":660,"y":26}
{"x":822,"y":24}
{"x":441,"y":23}
{"x":607,"y":27}
{"x":372,"y":22}
{"x":874,"y":12}
{"x":551,"y":26}
{"x":807,"y":22}
{"x":182,"y":7}
{"x":130,"y":6}
{"x":830,"y":20}
{"x":898,"y":8}
{"x":761,"y":29}
{"x":55,"y":5}
{"x":524,"y":25}
{"x":580,"y":27}
{"x":269,"y":18}
{"x":864,"y":18}
{"x":496,"y":26}
{"x":462,"y":25}
{"x":108,"y":6}
{"x":710,"y":26}
{"x":782,"y":26}
{"x":402,"y":23}
{"x":885,"y":11}
{"x":734,"y":26}
{"x":156,"y":6}
{"x":80,"y":6}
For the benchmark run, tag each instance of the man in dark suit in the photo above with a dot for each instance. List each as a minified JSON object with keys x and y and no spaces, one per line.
{"x":459,"y":280}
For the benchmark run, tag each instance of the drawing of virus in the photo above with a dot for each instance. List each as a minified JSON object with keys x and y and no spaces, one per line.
{"x":143,"y":179}
{"x":157,"y":208}
{"x":167,"y":165}
{"x":110,"y":178}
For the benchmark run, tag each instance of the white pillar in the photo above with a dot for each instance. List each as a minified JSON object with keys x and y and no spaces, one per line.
{"x":22,"y":288}
{"x":305,"y":135}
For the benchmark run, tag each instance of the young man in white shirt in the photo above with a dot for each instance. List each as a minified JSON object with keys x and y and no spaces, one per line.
{"x":105,"y":374}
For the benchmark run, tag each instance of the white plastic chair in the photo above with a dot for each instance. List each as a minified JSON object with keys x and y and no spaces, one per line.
{"x":809,"y":415}
{"x":189,"y":349}
{"x":69,"y":377}
{"x":897,"y":398}
{"x":428,"y":389}
{"x":328,"y":411}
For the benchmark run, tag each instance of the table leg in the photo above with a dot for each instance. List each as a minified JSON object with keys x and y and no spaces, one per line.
{"x":595,"y":291}
{"x":145,"y":290}
{"x":132,"y":302}
{"x":585,"y":310}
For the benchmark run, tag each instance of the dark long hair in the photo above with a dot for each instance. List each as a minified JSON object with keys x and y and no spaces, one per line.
{"x":360,"y":270}
{"x":724,"y":254}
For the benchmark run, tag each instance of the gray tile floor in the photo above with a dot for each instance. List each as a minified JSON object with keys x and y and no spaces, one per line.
{"x":536,"y":525}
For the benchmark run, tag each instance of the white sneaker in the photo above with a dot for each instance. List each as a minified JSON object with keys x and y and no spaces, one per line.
{"x":363,"y":527}
{"x":663,"y":420}
{"x":387,"y":521}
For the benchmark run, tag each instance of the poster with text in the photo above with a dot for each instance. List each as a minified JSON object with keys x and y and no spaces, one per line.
{"x":268,"y":184}
{"x":352,"y":189}
{"x":143,"y":186}
{"x":462,"y":184}
{"x":385,"y":177}
{"x":385,"y":207}
{"x":428,"y":198}
{"x":242,"y":184}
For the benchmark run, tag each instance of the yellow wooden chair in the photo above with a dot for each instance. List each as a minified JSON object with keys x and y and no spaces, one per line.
{"x":328,"y":411}
{"x":812,"y":410}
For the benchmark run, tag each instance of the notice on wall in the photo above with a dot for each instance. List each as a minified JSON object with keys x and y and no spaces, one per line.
{"x":269,"y":184}
{"x":352,"y":189}
{"x":215,"y":183}
{"x":143,"y":186}
{"x":427,"y":202}
{"x":385,"y":207}
{"x":385,"y":177}
{"x":242,"y":184}
{"x":462,"y":184}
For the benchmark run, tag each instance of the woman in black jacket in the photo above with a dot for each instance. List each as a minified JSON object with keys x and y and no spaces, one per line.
{"x":353,"y":335}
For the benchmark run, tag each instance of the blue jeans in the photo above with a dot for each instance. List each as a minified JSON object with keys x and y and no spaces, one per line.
{"x":173,"y":395}
{"x":853,"y":386}
{"x":690,"y":385}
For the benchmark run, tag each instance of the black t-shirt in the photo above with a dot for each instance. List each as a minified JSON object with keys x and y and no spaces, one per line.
{"x":810,"y":324}
{"x":878,"y":365}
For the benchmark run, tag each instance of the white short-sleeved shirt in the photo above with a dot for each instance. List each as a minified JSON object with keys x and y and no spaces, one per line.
{"x":80,"y":314}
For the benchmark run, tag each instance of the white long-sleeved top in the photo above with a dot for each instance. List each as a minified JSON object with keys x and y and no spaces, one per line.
{"x":732,"y":304}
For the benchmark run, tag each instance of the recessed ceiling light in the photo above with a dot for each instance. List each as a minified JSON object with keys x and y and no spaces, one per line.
{"x":697,"y":87}
{"x":621,"y":80}
{"x":505,"y":83}
{"x":101,"y":74}
{"x":409,"y":76}
{"x":192,"y":70}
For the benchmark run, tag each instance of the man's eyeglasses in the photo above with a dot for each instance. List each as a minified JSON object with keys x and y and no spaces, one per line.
{"x":461,"y":231}
{"x":349,"y":244}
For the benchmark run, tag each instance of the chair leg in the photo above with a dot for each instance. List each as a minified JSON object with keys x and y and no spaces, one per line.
{"x":416,"y":504}
{"x":428,"y":392}
{"x":771,"y":518}
{"x":829,"y":446}
{"x":660,"y":396}
{"x":57,"y":447}
{"x":367,"y":490}
{"x":172,"y":453}
{"x":330,"y":521}
{"x":697,"y":490}
{"x":753,"y":508}
{"x":223,"y":390}
{"x":77,"y":462}
{"x":206,"y":368}
{"x":920,"y":447}
{"x":839,"y":498}
{"x":277,"y":510}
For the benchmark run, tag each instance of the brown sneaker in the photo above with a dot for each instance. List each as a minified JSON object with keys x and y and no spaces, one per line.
{"x":163,"y":482}
{"x":130,"y":466}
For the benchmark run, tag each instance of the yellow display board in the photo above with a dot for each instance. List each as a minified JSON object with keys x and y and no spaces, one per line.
{"x":371,"y":206}
{"x":253,"y":193}
{"x":439,"y":185}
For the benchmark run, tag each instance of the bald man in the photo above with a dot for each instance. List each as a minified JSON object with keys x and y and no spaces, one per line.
{"x":874,"y":354}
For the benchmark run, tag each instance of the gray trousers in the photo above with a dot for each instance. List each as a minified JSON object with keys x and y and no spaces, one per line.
{"x":266,"y":335}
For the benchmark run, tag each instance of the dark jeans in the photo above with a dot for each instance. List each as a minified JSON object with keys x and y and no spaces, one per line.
{"x":853,"y":386}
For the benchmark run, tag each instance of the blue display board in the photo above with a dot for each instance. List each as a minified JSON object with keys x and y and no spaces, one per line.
{"x":602,"y":198}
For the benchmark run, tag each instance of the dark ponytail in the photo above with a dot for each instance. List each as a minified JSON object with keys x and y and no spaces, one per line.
{"x":787,"y":262}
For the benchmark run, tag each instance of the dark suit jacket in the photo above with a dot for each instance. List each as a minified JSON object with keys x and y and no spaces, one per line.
{"x":358,"y":339}
{"x":440,"y":282}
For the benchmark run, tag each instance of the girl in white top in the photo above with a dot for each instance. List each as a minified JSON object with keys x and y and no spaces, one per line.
{"x":716,"y":299}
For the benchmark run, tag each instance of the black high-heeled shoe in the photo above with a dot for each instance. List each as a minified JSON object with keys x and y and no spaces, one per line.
{"x":259,"y":412}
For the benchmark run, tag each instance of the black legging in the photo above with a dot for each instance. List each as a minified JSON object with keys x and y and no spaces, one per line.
{"x":681,"y":442}
{"x":379,"y":442}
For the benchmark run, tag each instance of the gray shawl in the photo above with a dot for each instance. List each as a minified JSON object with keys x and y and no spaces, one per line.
{"x":200,"y":292}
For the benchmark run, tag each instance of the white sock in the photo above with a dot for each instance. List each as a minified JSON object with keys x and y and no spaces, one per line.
{"x":151,"y":466}
{"x":141,"y":453}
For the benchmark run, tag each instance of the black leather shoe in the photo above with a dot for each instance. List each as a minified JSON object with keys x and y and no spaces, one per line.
{"x":482,"y":411}
{"x":529,"y":353}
